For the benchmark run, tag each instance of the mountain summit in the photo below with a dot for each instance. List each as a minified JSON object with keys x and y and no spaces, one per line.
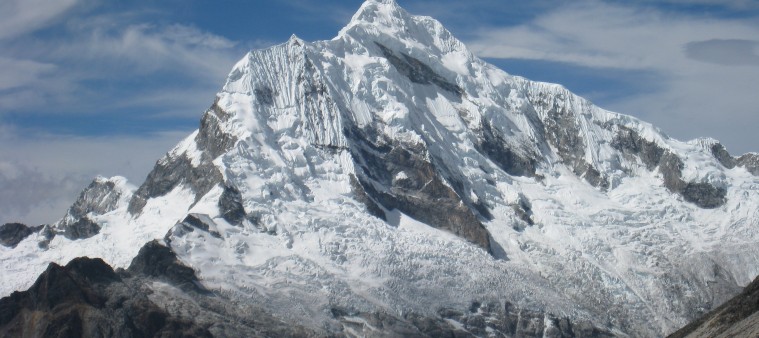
{"x":388,"y":181}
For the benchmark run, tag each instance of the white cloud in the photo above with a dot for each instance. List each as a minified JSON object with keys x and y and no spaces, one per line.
{"x":728,"y":52}
{"x":59,"y":72}
{"x":42,"y":175}
{"x":146,"y":48}
{"x":693,"y":98}
{"x":19,"y":17}
{"x":21,"y":73}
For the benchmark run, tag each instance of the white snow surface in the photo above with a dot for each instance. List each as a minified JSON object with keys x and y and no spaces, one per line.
{"x":635,"y":257}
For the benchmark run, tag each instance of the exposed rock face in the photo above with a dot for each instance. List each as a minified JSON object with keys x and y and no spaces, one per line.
{"x":399,"y":177}
{"x":629,"y":141}
{"x":82,"y":228}
{"x":87,"y":298}
{"x":670,"y":166}
{"x":418,"y":72}
{"x":492,"y":145}
{"x":750,"y":161}
{"x":158,"y":261}
{"x":561,"y":130}
{"x":178,"y":169}
{"x":100,"y":197}
{"x":738,"y":317}
{"x":211,"y":139}
{"x":361,"y":196}
{"x":13,"y":233}
{"x":166,"y":175}
{"x":230,"y":205}
{"x":724,"y":157}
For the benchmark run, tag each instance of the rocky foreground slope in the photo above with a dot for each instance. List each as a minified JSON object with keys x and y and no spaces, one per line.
{"x":389,"y":174}
{"x":738,"y":317}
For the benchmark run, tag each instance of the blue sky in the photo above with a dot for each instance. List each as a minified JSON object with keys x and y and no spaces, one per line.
{"x":93,"y":87}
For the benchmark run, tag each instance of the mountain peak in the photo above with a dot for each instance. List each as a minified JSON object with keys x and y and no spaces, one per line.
{"x":391,"y":169}
{"x":384,"y":14}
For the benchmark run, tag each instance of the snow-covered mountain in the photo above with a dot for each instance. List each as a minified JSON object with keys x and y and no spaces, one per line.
{"x":390,"y":171}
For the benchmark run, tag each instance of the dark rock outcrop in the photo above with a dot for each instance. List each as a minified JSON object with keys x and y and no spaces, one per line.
{"x":210,"y":138}
{"x":170,"y":172}
{"x":100,"y":197}
{"x":13,"y":233}
{"x":738,"y":317}
{"x":559,"y":128}
{"x":156,"y":297}
{"x":627,"y":140}
{"x":750,"y":161}
{"x":81,"y":229}
{"x":360,"y":195}
{"x":523,"y":210}
{"x":173,"y":170}
{"x":724,"y":157}
{"x":670,"y":166}
{"x":158,"y":261}
{"x":86,"y":298}
{"x":400,"y":177}
{"x":230,"y":205}
{"x":492,"y":145}
{"x":418,"y":72}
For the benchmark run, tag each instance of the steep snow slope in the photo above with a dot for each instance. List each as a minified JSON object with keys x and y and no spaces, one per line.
{"x":389,"y":169}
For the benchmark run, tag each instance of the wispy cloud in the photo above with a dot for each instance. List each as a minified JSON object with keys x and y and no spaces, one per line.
{"x":18,"y":17}
{"x":42,"y":174}
{"x":79,"y":68}
{"x":726,"y":52}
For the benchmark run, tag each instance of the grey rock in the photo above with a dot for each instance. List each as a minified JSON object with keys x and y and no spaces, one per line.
{"x":562,"y":132}
{"x":735,"y":318}
{"x":360,"y":195}
{"x":87,"y":298}
{"x":627,"y":140}
{"x":230,"y":205}
{"x":422,"y":194}
{"x":81,"y":229}
{"x":170,"y":172}
{"x":13,"y":233}
{"x":160,"y":262}
{"x":724,"y":157}
{"x":98,"y":198}
{"x":750,"y":161}
{"x":264,"y":95}
{"x":492,"y":145}
{"x":670,"y":166}
{"x":196,"y":221}
{"x":418,"y":72}
{"x":704,"y":195}
{"x":523,"y":210}
{"x":211,"y":139}
{"x":48,"y":234}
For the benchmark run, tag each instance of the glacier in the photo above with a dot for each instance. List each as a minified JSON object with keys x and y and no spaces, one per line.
{"x":390,"y":169}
